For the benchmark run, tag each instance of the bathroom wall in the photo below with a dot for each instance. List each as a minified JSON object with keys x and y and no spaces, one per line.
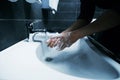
{"x":66,"y":14}
{"x":12,"y":24}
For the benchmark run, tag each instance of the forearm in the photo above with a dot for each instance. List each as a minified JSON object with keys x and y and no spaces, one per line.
{"x":76,"y":25}
{"x":106,"y":21}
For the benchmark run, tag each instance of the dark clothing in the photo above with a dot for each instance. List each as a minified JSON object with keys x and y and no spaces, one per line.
{"x":109,"y":38}
{"x":88,"y":7}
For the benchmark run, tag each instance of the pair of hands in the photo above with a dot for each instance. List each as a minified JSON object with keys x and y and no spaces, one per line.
{"x":61,"y":41}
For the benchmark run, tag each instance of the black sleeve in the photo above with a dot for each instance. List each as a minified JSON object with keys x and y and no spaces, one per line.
{"x":116,"y":6}
{"x":87,"y":9}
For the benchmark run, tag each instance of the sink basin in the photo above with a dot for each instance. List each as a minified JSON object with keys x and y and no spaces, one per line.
{"x":82,"y":59}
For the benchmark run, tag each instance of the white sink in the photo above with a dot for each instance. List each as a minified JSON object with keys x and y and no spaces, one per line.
{"x":26,"y":61}
{"x":82,"y":59}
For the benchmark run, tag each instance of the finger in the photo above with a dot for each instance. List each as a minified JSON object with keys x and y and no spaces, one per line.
{"x":62,"y":46}
{"x":49,"y":42}
{"x":56,"y":42}
{"x":53,"y":42}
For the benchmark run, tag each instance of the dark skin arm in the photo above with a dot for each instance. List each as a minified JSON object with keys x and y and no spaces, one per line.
{"x":81,"y":28}
{"x":107,"y":20}
{"x":76,"y":25}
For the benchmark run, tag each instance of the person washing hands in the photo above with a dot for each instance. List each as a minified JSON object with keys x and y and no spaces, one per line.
{"x":109,"y":19}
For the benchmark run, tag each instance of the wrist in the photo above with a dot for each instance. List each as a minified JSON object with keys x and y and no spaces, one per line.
{"x":78,"y":34}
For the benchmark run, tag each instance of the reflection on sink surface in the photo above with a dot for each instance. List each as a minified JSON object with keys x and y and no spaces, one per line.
{"x":79,"y":60}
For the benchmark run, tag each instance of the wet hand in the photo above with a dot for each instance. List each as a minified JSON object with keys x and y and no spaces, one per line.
{"x":61,"y":41}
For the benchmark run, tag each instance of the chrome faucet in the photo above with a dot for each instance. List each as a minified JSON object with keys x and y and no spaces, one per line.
{"x":32,"y":29}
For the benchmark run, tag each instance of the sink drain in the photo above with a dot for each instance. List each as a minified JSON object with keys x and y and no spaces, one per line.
{"x":48,"y":59}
